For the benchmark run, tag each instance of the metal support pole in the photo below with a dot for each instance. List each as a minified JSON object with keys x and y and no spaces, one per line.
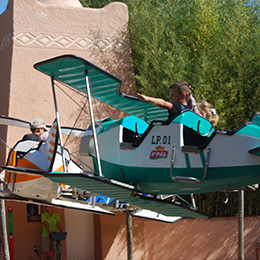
{"x":241,"y":255}
{"x":193,"y":201}
{"x":93,"y":125}
{"x":129,"y":235}
{"x":58,"y":123}
{"x":4,"y":236}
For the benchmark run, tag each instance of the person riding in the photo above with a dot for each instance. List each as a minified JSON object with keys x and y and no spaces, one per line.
{"x":180,"y":96}
{"x":208,"y":111}
{"x":37,"y":127}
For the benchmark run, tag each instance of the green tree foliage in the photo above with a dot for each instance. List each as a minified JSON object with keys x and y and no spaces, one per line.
{"x":211,"y":44}
{"x":215,"y":46}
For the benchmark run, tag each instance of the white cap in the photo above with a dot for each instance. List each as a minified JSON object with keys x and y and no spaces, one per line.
{"x":38,"y":123}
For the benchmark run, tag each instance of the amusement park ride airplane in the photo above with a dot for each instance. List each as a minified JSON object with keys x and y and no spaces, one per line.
{"x":144,"y":160}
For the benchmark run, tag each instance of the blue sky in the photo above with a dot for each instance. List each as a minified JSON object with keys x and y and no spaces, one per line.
{"x":3,"y":5}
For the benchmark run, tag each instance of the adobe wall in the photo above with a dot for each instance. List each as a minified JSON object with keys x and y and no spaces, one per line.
{"x":40,"y":31}
{"x":186,"y":239}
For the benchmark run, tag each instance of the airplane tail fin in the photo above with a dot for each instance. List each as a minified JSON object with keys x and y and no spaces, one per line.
{"x":52,"y":144}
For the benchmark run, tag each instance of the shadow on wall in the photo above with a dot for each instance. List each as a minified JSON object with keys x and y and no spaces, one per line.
{"x":194,"y":239}
{"x":112,"y":243}
{"x":115,"y":62}
{"x":215,"y":238}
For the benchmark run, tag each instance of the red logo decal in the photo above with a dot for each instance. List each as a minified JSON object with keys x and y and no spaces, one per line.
{"x":159,"y":153}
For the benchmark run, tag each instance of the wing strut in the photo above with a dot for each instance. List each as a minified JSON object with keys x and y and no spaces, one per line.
{"x":58,"y":123}
{"x":93,"y":123}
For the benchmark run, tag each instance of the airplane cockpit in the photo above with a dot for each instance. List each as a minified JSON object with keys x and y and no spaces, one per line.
{"x":196,"y":131}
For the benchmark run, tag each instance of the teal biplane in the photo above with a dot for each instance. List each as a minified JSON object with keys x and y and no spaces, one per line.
{"x":146,"y":159}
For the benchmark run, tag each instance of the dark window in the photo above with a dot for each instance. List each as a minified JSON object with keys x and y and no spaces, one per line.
{"x":33,"y":213}
{"x":192,"y":138}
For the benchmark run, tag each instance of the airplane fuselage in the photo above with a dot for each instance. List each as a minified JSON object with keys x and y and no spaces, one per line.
{"x":167,"y":161}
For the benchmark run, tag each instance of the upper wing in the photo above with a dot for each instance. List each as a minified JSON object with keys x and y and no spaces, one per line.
{"x":72,"y":71}
{"x":5,"y":120}
{"x":11,"y":121}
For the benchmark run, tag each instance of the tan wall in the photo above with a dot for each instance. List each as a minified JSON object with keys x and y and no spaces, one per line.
{"x":44,"y":31}
{"x":187,"y":239}
{"x":80,"y":229}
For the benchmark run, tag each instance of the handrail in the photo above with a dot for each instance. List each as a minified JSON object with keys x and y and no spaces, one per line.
{"x":190,"y":179}
{"x":198,"y":130}
{"x":172,"y":160}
